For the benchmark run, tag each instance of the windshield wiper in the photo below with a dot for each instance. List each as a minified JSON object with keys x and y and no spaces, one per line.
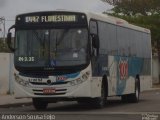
{"x":42,"y":41}
{"x":60,"y":40}
{"x":61,"y":37}
{"x":38,"y":38}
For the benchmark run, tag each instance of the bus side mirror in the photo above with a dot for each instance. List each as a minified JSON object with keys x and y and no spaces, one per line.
{"x":95,"y":44}
{"x":95,"y":41}
{"x":9,"y":42}
{"x":9,"y":39}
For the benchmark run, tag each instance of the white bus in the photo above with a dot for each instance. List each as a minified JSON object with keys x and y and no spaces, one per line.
{"x":86,"y":57}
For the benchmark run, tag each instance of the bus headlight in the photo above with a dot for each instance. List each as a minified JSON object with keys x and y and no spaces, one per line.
{"x":21,"y":81}
{"x":81,"y":79}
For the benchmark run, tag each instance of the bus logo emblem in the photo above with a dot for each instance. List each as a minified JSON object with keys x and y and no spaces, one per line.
{"x":123,"y":69}
{"x":61,"y":78}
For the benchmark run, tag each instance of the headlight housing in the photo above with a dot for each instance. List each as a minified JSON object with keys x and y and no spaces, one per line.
{"x":81,"y":79}
{"x":21,"y":81}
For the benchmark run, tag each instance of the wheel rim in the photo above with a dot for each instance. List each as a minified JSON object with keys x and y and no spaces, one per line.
{"x":137,"y":92}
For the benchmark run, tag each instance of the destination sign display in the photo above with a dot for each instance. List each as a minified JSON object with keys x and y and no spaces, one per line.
{"x":51,"y":18}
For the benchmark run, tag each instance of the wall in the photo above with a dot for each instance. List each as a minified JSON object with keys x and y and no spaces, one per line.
{"x":6,"y":68}
{"x":155,"y":70}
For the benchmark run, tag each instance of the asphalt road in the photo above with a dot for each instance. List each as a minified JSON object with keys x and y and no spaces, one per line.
{"x":148,"y":108}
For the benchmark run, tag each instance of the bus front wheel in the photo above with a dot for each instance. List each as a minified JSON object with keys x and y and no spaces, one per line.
{"x":101,"y":101}
{"x":39,"y":104}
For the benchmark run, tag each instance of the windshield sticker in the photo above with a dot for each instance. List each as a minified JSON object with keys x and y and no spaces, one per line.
{"x":79,"y":31}
{"x":53,"y":62}
{"x":75,"y":55}
{"x":47,"y":32}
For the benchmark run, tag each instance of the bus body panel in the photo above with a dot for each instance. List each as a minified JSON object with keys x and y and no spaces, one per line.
{"x":146,"y":82}
{"x":122,"y":75}
{"x":121,"y":64}
{"x":89,"y":87}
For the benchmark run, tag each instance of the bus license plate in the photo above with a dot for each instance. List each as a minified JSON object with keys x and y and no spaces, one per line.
{"x":48,"y":90}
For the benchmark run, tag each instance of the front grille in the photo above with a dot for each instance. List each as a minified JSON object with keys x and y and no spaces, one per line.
{"x":49,"y":94}
{"x":44,"y":83}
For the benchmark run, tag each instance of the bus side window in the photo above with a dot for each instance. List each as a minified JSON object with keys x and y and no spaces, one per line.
{"x":93,"y":27}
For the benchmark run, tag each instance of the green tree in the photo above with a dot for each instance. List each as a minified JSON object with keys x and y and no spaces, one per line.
{"x":145,"y":13}
{"x":137,"y":7}
{"x":3,"y":46}
{"x":133,"y":7}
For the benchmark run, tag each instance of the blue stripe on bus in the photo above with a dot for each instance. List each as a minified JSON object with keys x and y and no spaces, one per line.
{"x":73,"y":75}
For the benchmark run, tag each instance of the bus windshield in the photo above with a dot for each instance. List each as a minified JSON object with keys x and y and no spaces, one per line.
{"x":51,"y":47}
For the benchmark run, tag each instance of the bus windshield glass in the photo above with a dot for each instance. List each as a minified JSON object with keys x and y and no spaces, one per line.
{"x":51,"y":47}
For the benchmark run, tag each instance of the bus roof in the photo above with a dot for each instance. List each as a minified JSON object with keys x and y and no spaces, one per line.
{"x":115,"y":21}
{"x":102,"y":17}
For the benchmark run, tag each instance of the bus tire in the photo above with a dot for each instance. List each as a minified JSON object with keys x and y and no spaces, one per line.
{"x":134,"y":97}
{"x":39,"y":104}
{"x":100,"y":102}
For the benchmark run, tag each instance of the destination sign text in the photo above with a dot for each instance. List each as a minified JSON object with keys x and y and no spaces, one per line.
{"x":51,"y":18}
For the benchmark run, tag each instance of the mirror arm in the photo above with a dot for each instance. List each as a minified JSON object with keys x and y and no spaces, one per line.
{"x":9,"y":36}
{"x":13,"y":26}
